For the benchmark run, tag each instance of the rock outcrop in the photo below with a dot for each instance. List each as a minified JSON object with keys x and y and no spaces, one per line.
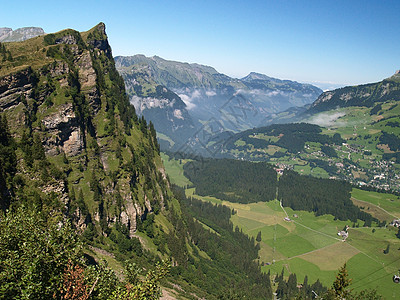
{"x":84,"y":147}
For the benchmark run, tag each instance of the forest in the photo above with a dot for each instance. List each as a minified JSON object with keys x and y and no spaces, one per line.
{"x":321,"y":196}
{"x":231,"y":271}
{"x":291,"y":137}
{"x":233,"y":180}
{"x":247,"y":182}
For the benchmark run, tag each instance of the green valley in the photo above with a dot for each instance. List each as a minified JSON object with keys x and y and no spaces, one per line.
{"x":356,"y":144}
{"x":309,"y":245}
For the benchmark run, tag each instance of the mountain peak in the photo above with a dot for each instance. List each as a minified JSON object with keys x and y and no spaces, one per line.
{"x":395,"y":76}
{"x":256,"y":76}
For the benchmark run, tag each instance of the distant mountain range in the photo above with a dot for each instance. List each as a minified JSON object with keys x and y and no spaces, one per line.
{"x":365,"y":95}
{"x":20,"y":34}
{"x":214,"y":102}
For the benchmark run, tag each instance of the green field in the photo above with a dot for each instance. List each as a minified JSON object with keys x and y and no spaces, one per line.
{"x":175,"y":171}
{"x":388,"y":203}
{"x":309,"y":245}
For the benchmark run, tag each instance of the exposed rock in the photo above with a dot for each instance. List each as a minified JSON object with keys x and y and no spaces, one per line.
{"x":74,"y":145}
{"x":131,"y":211}
{"x":87,"y":74}
{"x":14,"y":86}
{"x":67,"y":39}
{"x":4,"y":32}
{"x":65,"y":131}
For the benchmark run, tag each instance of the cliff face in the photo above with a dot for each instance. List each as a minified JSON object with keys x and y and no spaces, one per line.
{"x":361,"y":95}
{"x":80,"y":147}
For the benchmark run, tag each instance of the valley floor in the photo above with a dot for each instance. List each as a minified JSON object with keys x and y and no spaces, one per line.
{"x":301,"y":243}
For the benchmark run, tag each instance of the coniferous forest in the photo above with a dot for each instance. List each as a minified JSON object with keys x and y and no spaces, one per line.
{"x":321,"y":196}
{"x":246,"y":182}
{"x":233,"y":180}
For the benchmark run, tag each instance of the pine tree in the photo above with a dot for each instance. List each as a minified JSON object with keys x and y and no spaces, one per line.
{"x":258,"y":238}
{"x":341,"y":283}
{"x":292,"y":285}
{"x":386,"y":251}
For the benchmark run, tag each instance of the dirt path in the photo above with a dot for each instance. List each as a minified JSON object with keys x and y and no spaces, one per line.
{"x":377,"y":206}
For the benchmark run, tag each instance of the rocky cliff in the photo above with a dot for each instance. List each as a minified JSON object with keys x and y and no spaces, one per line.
{"x":80,"y":148}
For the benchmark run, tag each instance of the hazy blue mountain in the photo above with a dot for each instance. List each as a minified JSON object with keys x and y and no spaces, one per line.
{"x":158,"y":104}
{"x":20,"y":34}
{"x":214,"y":101}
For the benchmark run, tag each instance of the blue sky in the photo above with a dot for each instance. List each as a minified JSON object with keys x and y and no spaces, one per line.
{"x":338,"y":41}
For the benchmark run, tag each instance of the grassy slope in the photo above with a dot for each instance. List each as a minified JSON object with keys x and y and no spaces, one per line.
{"x":355,"y":124}
{"x":310,"y":245}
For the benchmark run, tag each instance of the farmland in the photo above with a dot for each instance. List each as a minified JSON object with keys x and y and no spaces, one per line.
{"x":309,"y":245}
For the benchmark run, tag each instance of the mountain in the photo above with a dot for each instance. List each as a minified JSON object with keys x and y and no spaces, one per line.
{"x":20,"y":34}
{"x":366,"y":95}
{"x":82,"y":182}
{"x":66,"y":103}
{"x":216,"y":102}
{"x":361,"y":95}
{"x":159,"y":104}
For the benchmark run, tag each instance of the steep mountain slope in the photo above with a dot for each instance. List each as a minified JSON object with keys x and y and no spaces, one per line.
{"x":160,"y":105}
{"x":73,"y":149}
{"x":217,"y":101}
{"x":20,"y":34}
{"x":82,"y":149}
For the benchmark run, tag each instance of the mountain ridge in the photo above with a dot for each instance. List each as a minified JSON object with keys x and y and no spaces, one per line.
{"x":20,"y":34}
{"x":214,"y":101}
{"x":360,"y":95}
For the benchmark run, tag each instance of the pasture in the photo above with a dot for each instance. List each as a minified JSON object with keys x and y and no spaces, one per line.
{"x":309,"y":245}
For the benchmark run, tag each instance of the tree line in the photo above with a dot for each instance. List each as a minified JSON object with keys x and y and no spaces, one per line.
{"x":321,"y":196}
{"x":247,"y":182}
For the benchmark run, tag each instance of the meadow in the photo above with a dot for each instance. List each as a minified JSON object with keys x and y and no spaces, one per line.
{"x":309,"y":245}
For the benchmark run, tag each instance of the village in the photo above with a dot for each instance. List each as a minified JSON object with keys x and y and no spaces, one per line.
{"x":351,"y":165}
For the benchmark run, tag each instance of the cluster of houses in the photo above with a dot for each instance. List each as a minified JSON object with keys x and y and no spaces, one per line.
{"x":395,"y":223}
{"x":280,"y":168}
{"x":344,"y":233}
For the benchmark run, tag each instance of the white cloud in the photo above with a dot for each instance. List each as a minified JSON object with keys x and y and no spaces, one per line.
{"x":273,"y":93}
{"x":211,"y":93}
{"x":188,"y":98}
{"x":239,"y":91}
{"x":178,"y":114}
{"x":188,"y":101}
{"x":327,"y":119}
{"x":196,"y":94}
